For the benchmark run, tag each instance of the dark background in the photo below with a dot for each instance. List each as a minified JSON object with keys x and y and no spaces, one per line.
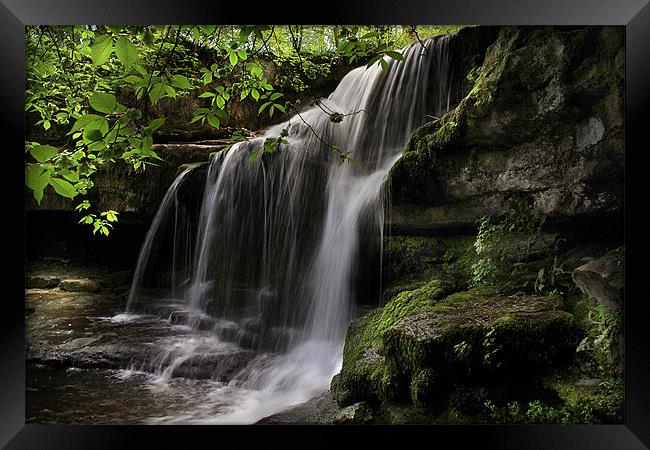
{"x":14,"y":14}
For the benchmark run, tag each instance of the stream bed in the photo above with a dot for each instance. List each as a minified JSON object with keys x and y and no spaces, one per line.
{"x":88,"y":362}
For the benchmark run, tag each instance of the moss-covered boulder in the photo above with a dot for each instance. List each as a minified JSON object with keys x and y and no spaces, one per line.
{"x":367,"y":373}
{"x":423,"y":340}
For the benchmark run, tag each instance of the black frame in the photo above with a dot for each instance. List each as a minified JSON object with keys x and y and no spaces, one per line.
{"x":15,"y":14}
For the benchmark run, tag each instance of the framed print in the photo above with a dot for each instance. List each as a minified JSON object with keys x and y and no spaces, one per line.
{"x":379,"y":220}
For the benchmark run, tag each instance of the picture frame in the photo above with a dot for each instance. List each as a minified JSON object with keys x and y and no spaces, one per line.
{"x":633,"y":14}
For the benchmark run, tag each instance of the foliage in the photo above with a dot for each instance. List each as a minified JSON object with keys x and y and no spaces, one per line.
{"x":493,"y":264}
{"x":605,"y":340}
{"x":601,"y":404}
{"x":92,"y":86}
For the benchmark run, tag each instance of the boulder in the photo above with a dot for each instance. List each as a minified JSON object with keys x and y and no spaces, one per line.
{"x":424,"y":340}
{"x":79,"y":285}
{"x":604,"y":278}
{"x":41,"y":282}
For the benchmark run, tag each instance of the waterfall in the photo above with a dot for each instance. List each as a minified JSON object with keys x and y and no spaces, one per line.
{"x":136,"y":293}
{"x":277,"y":239}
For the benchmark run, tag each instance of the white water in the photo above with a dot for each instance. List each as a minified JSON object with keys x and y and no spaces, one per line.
{"x":278,"y":240}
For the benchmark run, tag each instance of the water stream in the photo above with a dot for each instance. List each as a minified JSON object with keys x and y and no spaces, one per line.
{"x":265,"y":281}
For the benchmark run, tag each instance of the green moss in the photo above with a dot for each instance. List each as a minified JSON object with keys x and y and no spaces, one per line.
{"x":366,"y":373}
{"x":422,"y":388}
{"x":411,"y":261}
{"x":409,"y":257}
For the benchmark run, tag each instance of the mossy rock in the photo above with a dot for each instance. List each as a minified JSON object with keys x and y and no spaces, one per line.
{"x":366,"y":373}
{"x":414,"y":347}
{"x":541,"y":123}
{"x":479,"y":334}
{"x":412,"y":261}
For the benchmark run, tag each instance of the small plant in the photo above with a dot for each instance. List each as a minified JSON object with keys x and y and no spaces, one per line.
{"x":490,"y":348}
{"x":494,"y":260}
{"x":604,"y":338}
{"x":462,"y":349}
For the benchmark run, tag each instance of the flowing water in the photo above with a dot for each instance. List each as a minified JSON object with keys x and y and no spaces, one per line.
{"x":264,"y":280}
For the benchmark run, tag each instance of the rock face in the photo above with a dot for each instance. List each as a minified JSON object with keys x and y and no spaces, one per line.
{"x":604,"y":278}
{"x":542,"y":127}
{"x":426,"y":339}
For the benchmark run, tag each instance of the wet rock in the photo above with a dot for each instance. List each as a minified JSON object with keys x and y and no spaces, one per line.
{"x":604,"y":278}
{"x":79,"y":285}
{"x":41,"y":282}
{"x":321,"y":410}
{"x":79,"y":342}
{"x":220,"y":366}
{"x":359,"y":413}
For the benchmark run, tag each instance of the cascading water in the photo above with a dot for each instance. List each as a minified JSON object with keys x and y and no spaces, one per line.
{"x":278,"y":239}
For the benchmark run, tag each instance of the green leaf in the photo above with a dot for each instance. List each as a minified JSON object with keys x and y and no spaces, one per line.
{"x":147,"y":142}
{"x":221,"y":102}
{"x":372,"y":34}
{"x":213,"y":120}
{"x":42,"y":153}
{"x":207,"y":29}
{"x":276,"y":95}
{"x":374,"y":60}
{"x":156,"y":92}
{"x":89,"y":121}
{"x":384,"y":64}
{"x":395,"y":55}
{"x":103,"y":102}
{"x":63,"y":187}
{"x":233,"y":58}
{"x":181,"y":81}
{"x":82,"y":206}
{"x":263,"y":107}
{"x":101,"y":49}
{"x":156,"y":123}
{"x":255,"y":94}
{"x":143,"y":70}
{"x":37,"y":179}
{"x":207,"y":95}
{"x":170,"y":90}
{"x":135,"y":142}
{"x":126,"y":51}
{"x":92,"y":135}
